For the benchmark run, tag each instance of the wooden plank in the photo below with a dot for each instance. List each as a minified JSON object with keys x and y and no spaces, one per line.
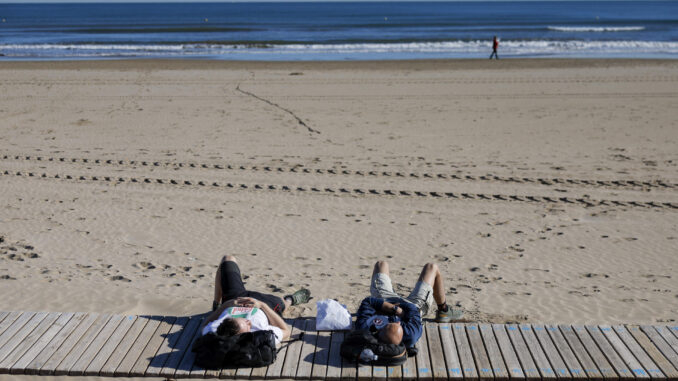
{"x":479,"y":352}
{"x":305,"y":367}
{"x":653,"y":350}
{"x":379,"y":373}
{"x":41,"y":344}
{"x":674,"y":330}
{"x":452,"y":362}
{"x":15,"y":327}
{"x":575,"y":355}
{"x":182,"y":346}
{"x":552,"y":355}
{"x":506,"y":348}
{"x":650,"y":366}
{"x":423,"y":359}
{"x":80,"y":366}
{"x":660,"y":342}
{"x":143,"y":340}
{"x":154,"y":362}
{"x":185,"y":367}
{"x":582,"y":336}
{"x":409,"y":369}
{"x":80,"y":347}
{"x":152,"y":349}
{"x":569,"y":358}
{"x":666,"y":334}
{"x":624,"y":352}
{"x":12,"y":343}
{"x":62,"y":344}
{"x":212,"y":373}
{"x":468,"y":365}
{"x":27,"y":342}
{"x":394,"y":373}
{"x":110,"y":343}
{"x":123,"y":348}
{"x":274,"y":370}
{"x":257,"y":373}
{"x":529,"y":367}
{"x":3,"y":314}
{"x":493,"y":352}
{"x":610,"y":354}
{"x":3,"y":324}
{"x":538,"y":354}
{"x":227,"y":373}
{"x":289,"y":367}
{"x":321,"y":356}
{"x":334,"y":358}
{"x":243,"y":373}
{"x":435,"y":346}
{"x":364,"y":372}
{"x":8,"y":320}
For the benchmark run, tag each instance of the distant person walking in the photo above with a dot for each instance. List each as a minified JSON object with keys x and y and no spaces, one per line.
{"x":495,"y":45}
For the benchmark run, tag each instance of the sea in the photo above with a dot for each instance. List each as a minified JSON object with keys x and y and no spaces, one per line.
{"x":318,"y":31}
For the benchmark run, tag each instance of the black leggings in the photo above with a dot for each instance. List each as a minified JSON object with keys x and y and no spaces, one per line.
{"x":232,"y":287}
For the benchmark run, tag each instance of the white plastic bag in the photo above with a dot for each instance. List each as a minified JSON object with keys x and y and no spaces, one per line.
{"x":332,"y":316}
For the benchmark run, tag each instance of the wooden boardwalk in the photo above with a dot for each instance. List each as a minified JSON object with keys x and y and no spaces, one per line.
{"x":123,"y":346}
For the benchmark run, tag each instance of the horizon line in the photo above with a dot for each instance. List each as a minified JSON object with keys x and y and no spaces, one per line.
{"x":291,"y":1}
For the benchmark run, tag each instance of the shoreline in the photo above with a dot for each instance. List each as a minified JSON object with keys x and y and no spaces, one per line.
{"x":424,"y":64}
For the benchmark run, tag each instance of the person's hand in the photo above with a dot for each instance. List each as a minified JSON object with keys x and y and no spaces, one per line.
{"x":229,"y":303}
{"x":248,"y":302}
{"x":397,"y":311}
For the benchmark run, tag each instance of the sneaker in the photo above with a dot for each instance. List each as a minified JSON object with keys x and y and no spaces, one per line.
{"x":449,"y":315}
{"x":300,"y":297}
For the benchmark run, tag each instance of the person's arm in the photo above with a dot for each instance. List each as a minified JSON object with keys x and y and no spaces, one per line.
{"x":410,"y":320}
{"x":368,"y":308}
{"x":216,"y":313}
{"x":273,"y":318}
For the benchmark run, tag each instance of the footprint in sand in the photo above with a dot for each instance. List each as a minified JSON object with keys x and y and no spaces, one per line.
{"x":119,"y":277}
{"x":594,"y":275}
{"x":144,"y":265}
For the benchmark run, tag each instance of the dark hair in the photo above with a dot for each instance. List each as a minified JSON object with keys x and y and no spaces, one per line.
{"x":228,"y":327}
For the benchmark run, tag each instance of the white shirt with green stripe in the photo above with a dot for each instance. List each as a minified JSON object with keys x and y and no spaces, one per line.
{"x":255,"y":315}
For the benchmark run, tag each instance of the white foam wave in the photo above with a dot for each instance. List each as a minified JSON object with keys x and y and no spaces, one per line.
{"x":92,"y":47}
{"x":596,"y":28}
{"x":462,"y":48}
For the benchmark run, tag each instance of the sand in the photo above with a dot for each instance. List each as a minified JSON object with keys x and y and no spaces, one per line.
{"x":109,"y":204}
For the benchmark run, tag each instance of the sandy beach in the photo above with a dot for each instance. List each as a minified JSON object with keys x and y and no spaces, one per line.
{"x":544,"y":189}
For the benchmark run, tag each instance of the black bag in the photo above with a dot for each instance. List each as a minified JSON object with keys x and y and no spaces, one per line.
{"x":246,"y":350}
{"x":387,"y":354}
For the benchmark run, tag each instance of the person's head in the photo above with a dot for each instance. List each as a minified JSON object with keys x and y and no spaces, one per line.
{"x":391,"y":333}
{"x":234,"y":326}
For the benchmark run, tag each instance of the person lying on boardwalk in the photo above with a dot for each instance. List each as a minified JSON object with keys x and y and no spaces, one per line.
{"x":237,"y":310}
{"x":398,"y":319}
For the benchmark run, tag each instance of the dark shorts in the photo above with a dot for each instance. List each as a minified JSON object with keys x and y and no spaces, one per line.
{"x":232,"y":287}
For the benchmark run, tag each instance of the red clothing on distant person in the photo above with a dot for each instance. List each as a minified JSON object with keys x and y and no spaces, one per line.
{"x":495,"y":44}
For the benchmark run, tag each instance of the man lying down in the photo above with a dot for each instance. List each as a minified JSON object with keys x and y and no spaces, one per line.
{"x":237,"y":310}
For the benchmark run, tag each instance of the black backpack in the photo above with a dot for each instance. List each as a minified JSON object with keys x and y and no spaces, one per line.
{"x":245,"y":350}
{"x":387,"y":354}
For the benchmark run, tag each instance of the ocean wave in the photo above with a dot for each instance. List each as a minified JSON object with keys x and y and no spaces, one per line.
{"x":463,"y":48}
{"x":595,"y":28}
{"x":92,"y":47}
